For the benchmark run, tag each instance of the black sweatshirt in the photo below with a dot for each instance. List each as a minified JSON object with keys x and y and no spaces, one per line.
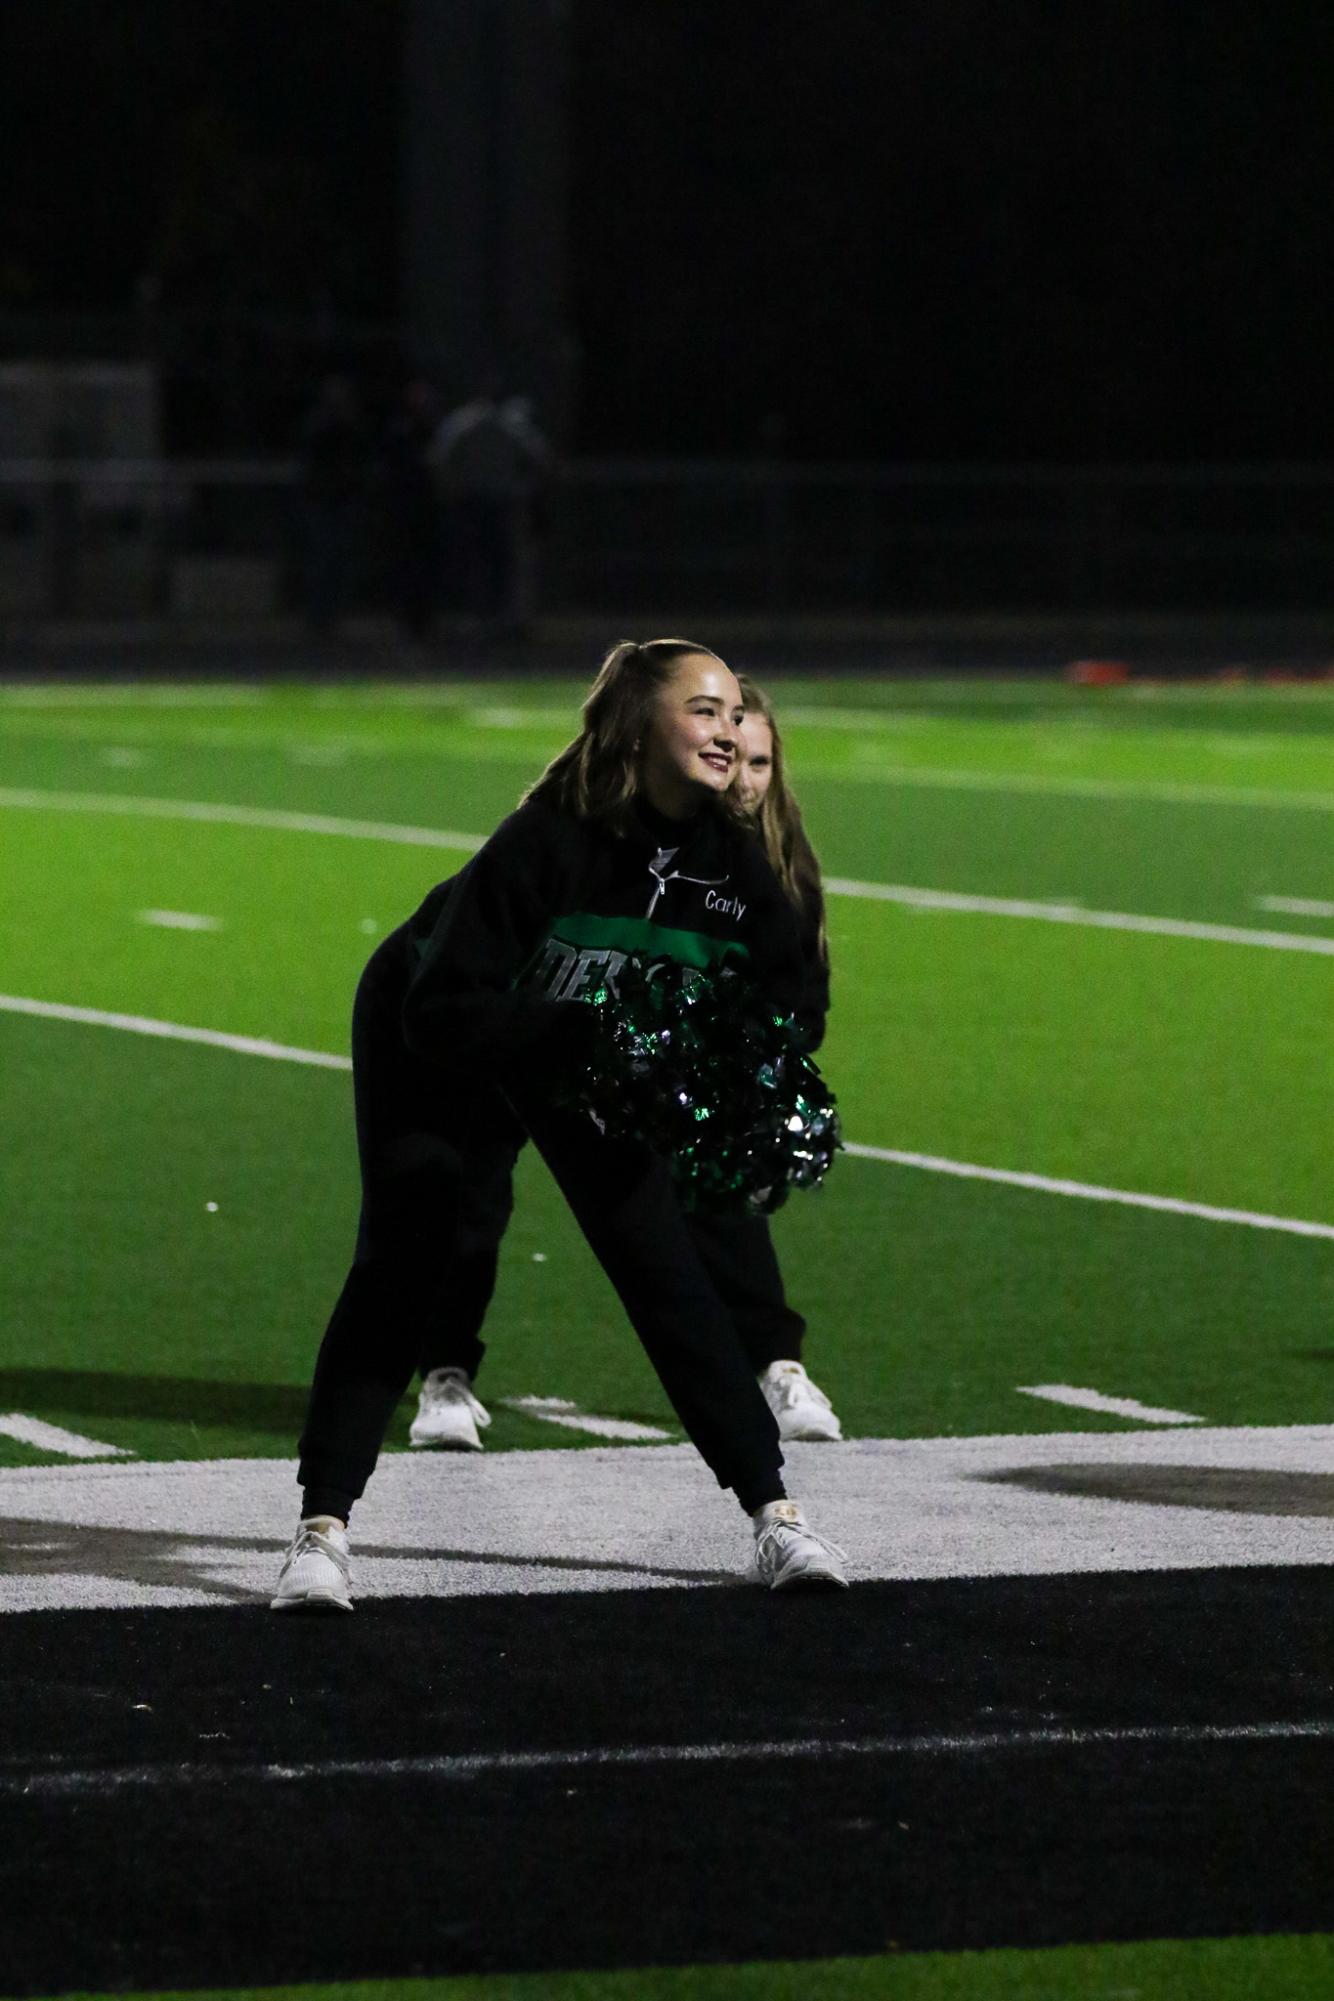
{"x":553,"y":904}
{"x":813,"y":1012}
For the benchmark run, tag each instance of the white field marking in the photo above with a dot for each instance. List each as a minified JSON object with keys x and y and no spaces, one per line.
{"x":122,"y":757}
{"x":1114,"y":1406}
{"x":125,"y":1533}
{"x":53,"y":1438}
{"x":559,"y":1410}
{"x":518,"y":719}
{"x":801,"y":716}
{"x":31,"y":1784}
{"x":1043,"y":1184}
{"x":1295,"y":906}
{"x":179,"y":920}
{"x":1074,"y":913}
{"x":1000,"y":696}
{"x":416,"y":695}
{"x":171,"y":1031}
{"x":238,"y":816}
{"x":131,"y":695}
{"x":1165,"y":791}
{"x":879,"y":892}
{"x":446,"y":696}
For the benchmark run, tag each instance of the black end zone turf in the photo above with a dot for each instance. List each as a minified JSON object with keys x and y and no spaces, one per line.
{"x":164,"y":1881}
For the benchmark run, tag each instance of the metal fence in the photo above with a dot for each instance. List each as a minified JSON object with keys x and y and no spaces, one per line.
{"x":218,"y":539}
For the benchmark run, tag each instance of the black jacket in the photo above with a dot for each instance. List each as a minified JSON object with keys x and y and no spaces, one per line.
{"x":553,"y":904}
{"x":814,"y":1009}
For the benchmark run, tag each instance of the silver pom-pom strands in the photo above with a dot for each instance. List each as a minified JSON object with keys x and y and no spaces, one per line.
{"x":704,"y":1074}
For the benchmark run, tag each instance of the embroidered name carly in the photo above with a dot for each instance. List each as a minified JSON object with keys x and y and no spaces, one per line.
{"x":726,"y":906}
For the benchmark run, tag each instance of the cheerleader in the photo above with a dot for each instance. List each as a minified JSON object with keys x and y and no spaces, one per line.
{"x":466,"y":1029}
{"x":737,"y":1251}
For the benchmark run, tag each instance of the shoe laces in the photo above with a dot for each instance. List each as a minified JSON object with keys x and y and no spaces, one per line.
{"x":773,"y":1532}
{"x":794,"y":1386}
{"x":452,"y":1386}
{"x":310,"y":1541}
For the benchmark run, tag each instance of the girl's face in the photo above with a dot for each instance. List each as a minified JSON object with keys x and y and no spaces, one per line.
{"x":691,"y":746}
{"x":755,"y":768}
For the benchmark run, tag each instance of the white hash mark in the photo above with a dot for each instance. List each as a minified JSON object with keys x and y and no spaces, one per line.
{"x":179,"y":920}
{"x":559,"y":1410}
{"x":53,"y":1438}
{"x":1295,"y":906}
{"x":1114,"y":1406}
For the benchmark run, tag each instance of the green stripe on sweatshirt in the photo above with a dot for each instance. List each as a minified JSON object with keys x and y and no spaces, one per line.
{"x":641,"y":934}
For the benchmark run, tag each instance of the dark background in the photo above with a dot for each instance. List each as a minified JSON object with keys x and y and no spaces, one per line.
{"x":1028,"y":230}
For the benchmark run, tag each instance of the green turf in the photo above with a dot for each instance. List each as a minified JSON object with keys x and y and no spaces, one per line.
{"x":179,"y":1332}
{"x":1251,"y":1969}
{"x":1167,"y":1065}
{"x":1159,"y":1063}
{"x":913,"y":793}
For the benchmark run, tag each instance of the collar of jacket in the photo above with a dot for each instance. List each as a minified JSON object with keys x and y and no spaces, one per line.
{"x":656,"y":830}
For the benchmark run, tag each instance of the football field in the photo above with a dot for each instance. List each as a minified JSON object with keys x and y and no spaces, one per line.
{"x":1070,"y":1733}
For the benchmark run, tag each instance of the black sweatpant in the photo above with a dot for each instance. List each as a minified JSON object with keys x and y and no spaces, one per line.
{"x":436,"y":1153}
{"x":737,"y":1253}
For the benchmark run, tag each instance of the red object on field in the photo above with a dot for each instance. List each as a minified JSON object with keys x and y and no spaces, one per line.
{"x":1097,"y":673}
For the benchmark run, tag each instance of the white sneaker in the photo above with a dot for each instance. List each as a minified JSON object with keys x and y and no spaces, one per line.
{"x":790,"y":1556}
{"x":801,"y":1407}
{"x":316,"y":1570}
{"x":448,"y":1413}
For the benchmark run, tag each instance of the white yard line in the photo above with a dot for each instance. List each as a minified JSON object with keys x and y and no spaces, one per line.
{"x":132,"y":695}
{"x":559,"y":1410}
{"x":1084,"y":1191}
{"x":1073,"y":913}
{"x":179,"y":920}
{"x":1295,"y":906}
{"x":1143,"y":1413}
{"x":464,"y":843}
{"x":246,"y":1045}
{"x":171,"y":1031}
{"x":206,"y":811}
{"x":102,"y":1780}
{"x":1165,"y":792}
{"x":53,"y":1438}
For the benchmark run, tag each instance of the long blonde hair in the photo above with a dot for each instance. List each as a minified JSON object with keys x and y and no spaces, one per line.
{"x":780,"y":825}
{"x":597,"y":775}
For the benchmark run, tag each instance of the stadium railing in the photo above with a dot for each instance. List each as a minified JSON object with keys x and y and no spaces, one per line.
{"x":166,"y":539}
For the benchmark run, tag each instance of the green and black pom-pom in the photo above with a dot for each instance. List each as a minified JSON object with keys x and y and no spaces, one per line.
{"x":703,"y":1073}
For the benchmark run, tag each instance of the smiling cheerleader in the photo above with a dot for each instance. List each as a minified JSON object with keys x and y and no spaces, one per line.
{"x":467,"y":1030}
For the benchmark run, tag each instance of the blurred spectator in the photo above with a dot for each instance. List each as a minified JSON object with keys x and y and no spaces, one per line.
{"x":489,"y":458}
{"x":413,"y":508}
{"x":334,"y":458}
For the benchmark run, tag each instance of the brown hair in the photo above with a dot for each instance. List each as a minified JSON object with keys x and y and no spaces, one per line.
{"x":597,"y":775}
{"x":786,"y":843}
